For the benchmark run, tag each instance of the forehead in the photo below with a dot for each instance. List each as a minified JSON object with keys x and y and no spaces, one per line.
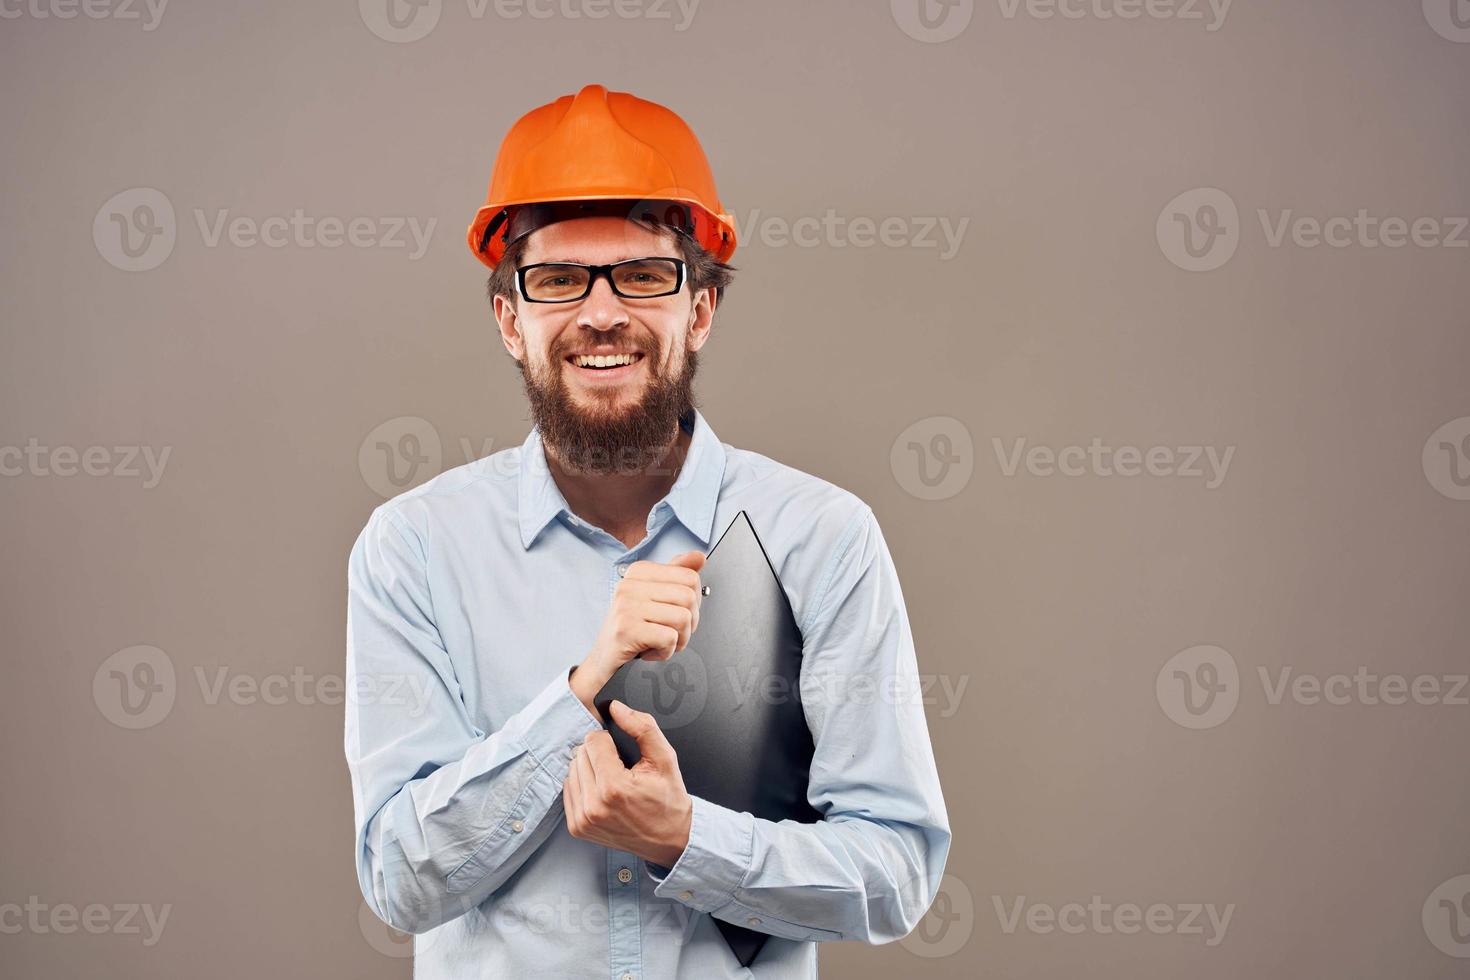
{"x":596,"y":241}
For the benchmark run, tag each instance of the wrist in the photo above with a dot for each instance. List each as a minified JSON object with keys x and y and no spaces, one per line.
{"x":668,"y":853}
{"x":586,"y":679}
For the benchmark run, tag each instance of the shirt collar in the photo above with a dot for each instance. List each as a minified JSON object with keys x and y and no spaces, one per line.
{"x":692,"y":497}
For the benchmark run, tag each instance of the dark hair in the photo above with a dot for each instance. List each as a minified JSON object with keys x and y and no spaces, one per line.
{"x":704,"y":271}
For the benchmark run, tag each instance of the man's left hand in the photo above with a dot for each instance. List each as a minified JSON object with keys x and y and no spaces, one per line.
{"x":644,"y":810}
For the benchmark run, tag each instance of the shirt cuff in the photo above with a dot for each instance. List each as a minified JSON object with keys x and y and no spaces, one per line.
{"x":557,"y":722}
{"x":715,"y":861}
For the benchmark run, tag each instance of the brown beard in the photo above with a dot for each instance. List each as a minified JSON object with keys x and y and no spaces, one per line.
{"x":602,"y":440}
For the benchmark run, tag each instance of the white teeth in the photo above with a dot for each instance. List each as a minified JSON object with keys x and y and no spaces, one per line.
{"x":603,"y":360}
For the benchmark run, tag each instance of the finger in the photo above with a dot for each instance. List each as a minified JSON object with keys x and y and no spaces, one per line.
{"x":586,"y":776}
{"x":602,"y":755}
{"x":654,"y":590}
{"x":654,"y":640}
{"x":693,"y":560}
{"x":571,"y":798}
{"x":676,"y":616}
{"x":652,"y":743}
{"x":654,"y":571}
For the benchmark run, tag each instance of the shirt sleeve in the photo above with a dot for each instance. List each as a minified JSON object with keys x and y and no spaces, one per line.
{"x":870,"y":869}
{"x":444,"y":812}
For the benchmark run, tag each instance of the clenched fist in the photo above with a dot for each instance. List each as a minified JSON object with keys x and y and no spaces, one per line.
{"x":654,"y":611}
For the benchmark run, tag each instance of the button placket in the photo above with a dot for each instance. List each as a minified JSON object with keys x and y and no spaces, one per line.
{"x":624,"y":916}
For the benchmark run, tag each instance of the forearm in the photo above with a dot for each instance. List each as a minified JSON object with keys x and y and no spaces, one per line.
{"x":844,"y":878}
{"x":446,"y":841}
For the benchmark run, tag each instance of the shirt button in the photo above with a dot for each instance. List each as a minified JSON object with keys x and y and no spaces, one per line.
{"x":517,"y":826}
{"x":627,"y":976}
{"x":686,"y":895}
{"x":753,"y":921}
{"x":622,"y":570}
{"x":624,"y":875}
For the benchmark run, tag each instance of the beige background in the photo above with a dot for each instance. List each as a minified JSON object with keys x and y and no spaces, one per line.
{"x":1332,"y":830}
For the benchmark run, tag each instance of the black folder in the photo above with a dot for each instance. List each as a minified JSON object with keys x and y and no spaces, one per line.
{"x":729,"y":701}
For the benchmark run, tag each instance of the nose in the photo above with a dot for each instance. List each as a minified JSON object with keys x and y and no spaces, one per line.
{"x":602,"y":309}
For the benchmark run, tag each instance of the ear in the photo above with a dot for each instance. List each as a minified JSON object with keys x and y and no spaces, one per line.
{"x":510,"y":331}
{"x":701,"y":318}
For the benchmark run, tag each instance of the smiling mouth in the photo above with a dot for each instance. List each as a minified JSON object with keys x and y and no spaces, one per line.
{"x":604,"y":362}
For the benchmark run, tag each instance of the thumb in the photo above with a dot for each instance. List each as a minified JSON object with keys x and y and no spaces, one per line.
{"x":652,"y":744}
{"x":690,"y":559}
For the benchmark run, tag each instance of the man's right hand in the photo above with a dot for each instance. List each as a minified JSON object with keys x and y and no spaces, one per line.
{"x":655,"y":609}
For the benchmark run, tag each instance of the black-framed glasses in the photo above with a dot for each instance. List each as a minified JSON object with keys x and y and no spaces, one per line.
{"x":567,"y":282}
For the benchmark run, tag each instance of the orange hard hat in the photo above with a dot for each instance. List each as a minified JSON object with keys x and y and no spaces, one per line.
{"x":600,"y":152}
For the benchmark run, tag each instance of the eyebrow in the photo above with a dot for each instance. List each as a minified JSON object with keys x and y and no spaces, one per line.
{"x":613,"y":262}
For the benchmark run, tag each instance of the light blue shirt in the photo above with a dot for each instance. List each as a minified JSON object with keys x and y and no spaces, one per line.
{"x":471,"y":597}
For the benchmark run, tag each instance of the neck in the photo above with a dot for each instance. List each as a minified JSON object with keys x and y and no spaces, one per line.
{"x":619,"y":502}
